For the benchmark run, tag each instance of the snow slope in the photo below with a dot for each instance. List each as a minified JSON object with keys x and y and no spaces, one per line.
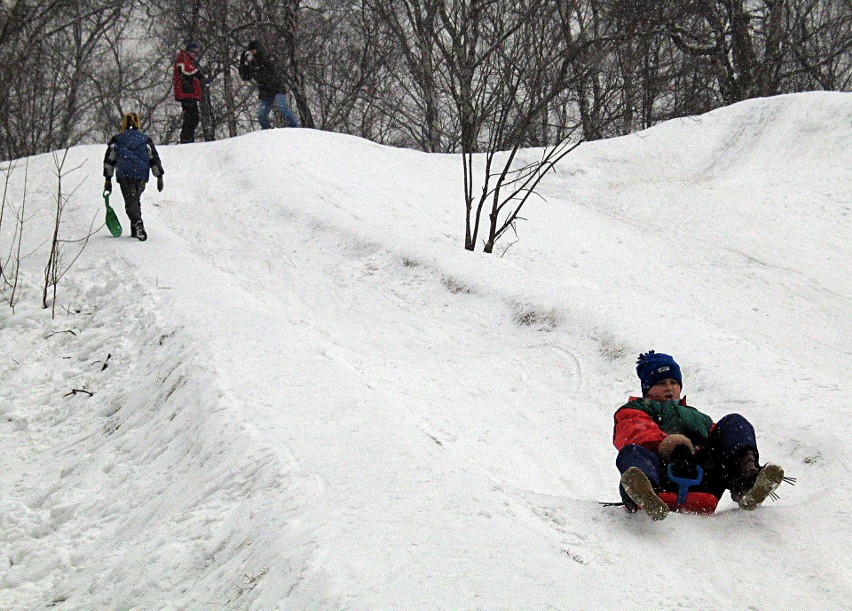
{"x":305,"y":394}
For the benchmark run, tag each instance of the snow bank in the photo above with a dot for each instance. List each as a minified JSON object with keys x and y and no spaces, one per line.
{"x":302,"y":392}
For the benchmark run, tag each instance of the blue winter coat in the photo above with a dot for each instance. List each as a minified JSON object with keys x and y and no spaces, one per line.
{"x":131,"y":153}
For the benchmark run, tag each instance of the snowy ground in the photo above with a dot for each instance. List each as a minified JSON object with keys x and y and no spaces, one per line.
{"x":305,"y":394}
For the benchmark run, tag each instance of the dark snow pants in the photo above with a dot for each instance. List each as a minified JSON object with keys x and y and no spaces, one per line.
{"x":732,"y":436}
{"x":191,"y":118}
{"x":132,"y":189}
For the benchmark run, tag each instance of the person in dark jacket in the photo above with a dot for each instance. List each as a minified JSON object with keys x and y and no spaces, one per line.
{"x":187,"y":90}
{"x":257,"y":64}
{"x":131,"y":154}
{"x":673,"y":457}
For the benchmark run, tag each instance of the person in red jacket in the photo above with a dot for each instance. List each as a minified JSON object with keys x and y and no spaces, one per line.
{"x":673,"y":457}
{"x":187,"y":85}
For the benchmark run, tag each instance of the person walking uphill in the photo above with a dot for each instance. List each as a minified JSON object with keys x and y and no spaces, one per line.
{"x":673,"y":457}
{"x":257,"y":64}
{"x":187,"y":87}
{"x":131,"y":154}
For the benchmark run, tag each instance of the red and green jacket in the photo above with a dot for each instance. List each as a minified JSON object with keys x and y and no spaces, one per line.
{"x":646,"y":423}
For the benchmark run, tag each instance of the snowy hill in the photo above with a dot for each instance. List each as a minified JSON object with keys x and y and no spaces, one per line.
{"x":305,"y":394}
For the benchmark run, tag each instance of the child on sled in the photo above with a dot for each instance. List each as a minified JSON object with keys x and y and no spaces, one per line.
{"x":673,"y":457}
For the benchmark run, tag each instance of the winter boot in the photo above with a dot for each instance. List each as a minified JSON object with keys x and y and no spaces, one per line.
{"x":638,"y":487}
{"x":745,"y":472}
{"x":138,"y":231}
{"x":766,"y":482}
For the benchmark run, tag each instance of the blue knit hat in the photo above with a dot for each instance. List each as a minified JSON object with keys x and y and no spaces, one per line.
{"x":652,"y":367}
{"x":192,"y":46}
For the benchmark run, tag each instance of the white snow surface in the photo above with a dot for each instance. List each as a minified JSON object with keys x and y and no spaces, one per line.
{"x":306,"y":394}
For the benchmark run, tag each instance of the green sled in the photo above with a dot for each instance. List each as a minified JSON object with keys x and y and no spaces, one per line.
{"x":111,"y":220}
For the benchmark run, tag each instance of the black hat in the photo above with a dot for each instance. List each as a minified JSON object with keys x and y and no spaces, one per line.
{"x":254,"y":45}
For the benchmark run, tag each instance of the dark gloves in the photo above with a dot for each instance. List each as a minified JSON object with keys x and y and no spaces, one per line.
{"x":247,"y":66}
{"x":108,"y":185}
{"x":678,"y":451}
{"x":159,"y":183}
{"x":671,"y":442}
{"x":682,"y":462}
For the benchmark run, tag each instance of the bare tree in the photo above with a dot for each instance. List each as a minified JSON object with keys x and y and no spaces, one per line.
{"x":132,"y":77}
{"x":503,"y":90}
{"x":821,"y":43}
{"x":48,"y":102}
{"x":508,"y":189}
{"x":428,"y":74}
{"x":7,"y":175}
{"x":347,"y":69}
{"x":17,"y":240}
{"x":56,"y":268}
{"x":742,"y":42}
{"x":414,"y":27}
{"x":223,"y":49}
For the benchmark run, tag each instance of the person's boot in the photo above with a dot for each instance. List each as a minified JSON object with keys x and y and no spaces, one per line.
{"x":753,"y":483}
{"x":640,"y":490}
{"x":138,"y":231}
{"x":746,"y":470}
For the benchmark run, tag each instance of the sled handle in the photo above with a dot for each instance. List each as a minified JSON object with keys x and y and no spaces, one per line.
{"x":684,"y":483}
